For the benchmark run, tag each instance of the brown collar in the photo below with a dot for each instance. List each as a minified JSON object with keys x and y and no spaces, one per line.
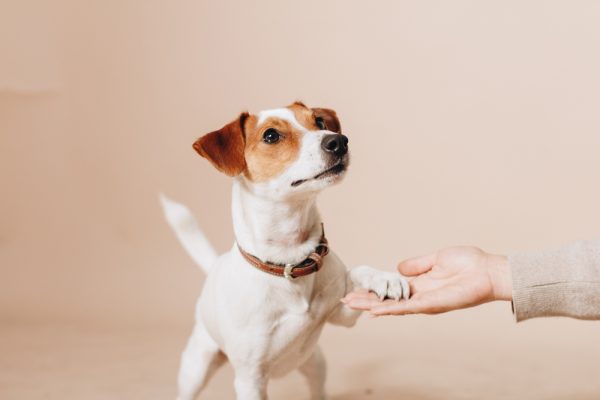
{"x":311,"y":264}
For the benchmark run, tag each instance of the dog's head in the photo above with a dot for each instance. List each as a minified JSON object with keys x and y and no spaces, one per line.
{"x":288,"y":150}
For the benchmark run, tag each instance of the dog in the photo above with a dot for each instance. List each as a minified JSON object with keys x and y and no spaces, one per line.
{"x":266,"y":300}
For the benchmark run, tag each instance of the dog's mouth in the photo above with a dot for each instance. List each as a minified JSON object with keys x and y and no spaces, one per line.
{"x":332,"y":171}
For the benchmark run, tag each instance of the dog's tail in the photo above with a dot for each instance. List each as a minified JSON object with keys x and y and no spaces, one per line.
{"x":189,"y":233}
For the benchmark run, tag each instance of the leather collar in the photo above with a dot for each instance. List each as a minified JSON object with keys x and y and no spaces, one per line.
{"x":309,"y":265}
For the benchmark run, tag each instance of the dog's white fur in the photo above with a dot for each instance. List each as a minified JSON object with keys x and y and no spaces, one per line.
{"x":265,"y":325}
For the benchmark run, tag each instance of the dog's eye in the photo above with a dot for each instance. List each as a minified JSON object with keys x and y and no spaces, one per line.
{"x":271,"y":136}
{"x":320,"y":123}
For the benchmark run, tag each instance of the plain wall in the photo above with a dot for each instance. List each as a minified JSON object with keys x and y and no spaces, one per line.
{"x":469,"y":122}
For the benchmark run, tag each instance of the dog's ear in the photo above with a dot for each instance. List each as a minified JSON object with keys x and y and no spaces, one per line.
{"x":332,"y":123}
{"x":225,"y":148}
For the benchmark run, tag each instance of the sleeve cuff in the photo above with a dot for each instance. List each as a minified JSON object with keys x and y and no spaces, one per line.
{"x":562,"y":282}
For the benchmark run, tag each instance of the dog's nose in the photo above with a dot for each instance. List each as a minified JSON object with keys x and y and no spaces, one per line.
{"x":335,"y":143}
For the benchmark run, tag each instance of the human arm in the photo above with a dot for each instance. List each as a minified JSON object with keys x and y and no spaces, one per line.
{"x":562,"y":282}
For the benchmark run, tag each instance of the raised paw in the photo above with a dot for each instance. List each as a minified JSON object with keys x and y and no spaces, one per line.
{"x":386,"y":285}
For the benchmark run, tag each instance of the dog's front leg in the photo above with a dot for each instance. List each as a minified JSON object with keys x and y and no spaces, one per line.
{"x":385,"y":284}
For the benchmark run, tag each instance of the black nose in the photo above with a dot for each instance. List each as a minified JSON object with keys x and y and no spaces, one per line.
{"x":336,"y":144}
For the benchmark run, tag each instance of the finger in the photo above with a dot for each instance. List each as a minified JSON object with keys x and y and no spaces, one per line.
{"x":398,"y":308}
{"x":364,"y":303}
{"x":357,"y":293}
{"x":417,"y":265}
{"x":434,"y":302}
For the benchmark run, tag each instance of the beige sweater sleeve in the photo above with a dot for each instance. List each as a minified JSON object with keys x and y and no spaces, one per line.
{"x":563,"y":282}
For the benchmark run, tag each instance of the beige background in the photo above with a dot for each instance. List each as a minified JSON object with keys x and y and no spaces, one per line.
{"x":470,"y":123}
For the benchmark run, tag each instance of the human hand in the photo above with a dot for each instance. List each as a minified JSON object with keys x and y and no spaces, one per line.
{"x":450,"y":279}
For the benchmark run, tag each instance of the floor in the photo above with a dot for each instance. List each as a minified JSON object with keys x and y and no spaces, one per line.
{"x":475,"y":354}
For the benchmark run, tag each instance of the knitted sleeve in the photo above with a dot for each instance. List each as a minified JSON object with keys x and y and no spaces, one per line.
{"x":562,"y":282}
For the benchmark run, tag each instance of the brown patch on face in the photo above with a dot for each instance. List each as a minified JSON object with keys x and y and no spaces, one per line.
{"x":266,"y":161}
{"x":307,"y":117}
{"x":304,"y":116}
{"x":299,"y":103}
{"x":332,"y":123}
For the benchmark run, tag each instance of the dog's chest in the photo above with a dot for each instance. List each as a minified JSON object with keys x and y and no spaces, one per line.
{"x":270,"y":320}
{"x":295,"y":332}
{"x":294,"y":311}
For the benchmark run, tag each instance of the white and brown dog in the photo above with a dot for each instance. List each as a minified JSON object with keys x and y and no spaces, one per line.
{"x":266,"y":300}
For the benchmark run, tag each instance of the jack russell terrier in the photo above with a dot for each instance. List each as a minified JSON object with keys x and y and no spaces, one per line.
{"x":266,"y":300}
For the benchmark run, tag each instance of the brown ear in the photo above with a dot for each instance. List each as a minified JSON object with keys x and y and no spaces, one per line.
{"x":225,"y":148}
{"x":329,"y":116}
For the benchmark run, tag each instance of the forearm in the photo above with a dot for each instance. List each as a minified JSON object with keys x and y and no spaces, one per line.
{"x":563,"y":282}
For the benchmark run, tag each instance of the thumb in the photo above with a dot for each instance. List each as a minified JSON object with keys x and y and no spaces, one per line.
{"x":417,"y":265}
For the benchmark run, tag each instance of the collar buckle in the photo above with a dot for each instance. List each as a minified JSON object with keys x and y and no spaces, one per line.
{"x":287,"y":272}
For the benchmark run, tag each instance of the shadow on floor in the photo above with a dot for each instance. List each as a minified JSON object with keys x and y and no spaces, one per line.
{"x":385,"y":393}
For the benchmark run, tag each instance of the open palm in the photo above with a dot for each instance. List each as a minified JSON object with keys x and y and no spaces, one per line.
{"x":450,"y":279}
